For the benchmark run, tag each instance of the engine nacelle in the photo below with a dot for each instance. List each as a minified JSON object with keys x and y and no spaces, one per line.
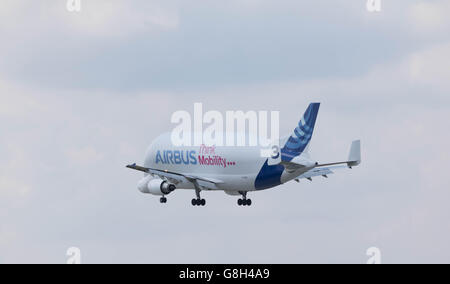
{"x":155,"y":186}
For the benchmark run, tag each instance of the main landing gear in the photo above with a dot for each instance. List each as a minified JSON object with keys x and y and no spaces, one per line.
{"x":198,"y":201}
{"x":163,"y":200}
{"x":244,"y":201}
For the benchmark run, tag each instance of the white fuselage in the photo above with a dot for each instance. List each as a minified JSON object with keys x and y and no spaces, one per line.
{"x":239,"y":168}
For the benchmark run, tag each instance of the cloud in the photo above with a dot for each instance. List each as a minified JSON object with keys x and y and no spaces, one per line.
{"x":120,"y":18}
{"x":84,"y":155}
{"x":173,"y":46}
{"x":18,"y":103}
{"x":13,"y":187}
{"x":430,"y":67}
{"x":97,"y":18}
{"x":430,"y":16}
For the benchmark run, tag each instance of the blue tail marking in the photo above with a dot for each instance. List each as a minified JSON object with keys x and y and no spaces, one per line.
{"x":270,"y":176}
{"x":301,"y":137}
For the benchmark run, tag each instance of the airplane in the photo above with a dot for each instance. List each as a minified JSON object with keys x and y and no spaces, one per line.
{"x":236,"y":170}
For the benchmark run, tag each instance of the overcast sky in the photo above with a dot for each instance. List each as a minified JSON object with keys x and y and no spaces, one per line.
{"x":83,"y":94}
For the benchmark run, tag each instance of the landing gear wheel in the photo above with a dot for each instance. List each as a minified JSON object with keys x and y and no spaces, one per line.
{"x":244,"y":202}
{"x":163,"y":200}
{"x":198,"y":202}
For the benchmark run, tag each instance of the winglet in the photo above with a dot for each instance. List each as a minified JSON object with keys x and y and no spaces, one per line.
{"x":354,"y":158}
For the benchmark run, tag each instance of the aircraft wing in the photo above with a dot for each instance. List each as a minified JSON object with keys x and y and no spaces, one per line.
{"x":201,"y":182}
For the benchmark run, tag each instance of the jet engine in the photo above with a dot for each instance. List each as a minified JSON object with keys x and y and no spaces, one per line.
{"x":155,"y":186}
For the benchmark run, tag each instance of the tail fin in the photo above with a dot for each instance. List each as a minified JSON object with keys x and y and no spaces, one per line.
{"x":301,"y":137}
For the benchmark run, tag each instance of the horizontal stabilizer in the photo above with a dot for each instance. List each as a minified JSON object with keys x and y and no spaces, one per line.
{"x":316,"y":173}
{"x":324,"y":170}
{"x":354,"y":158}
